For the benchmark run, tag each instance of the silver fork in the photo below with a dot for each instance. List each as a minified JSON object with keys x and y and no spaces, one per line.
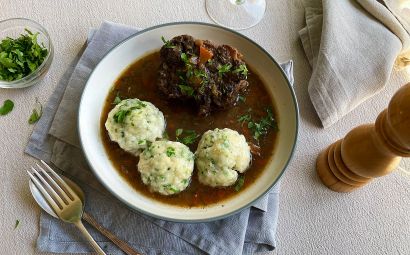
{"x":64,"y":201}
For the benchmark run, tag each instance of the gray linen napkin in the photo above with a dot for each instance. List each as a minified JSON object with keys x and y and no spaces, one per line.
{"x":352,"y":46}
{"x":55,"y":140}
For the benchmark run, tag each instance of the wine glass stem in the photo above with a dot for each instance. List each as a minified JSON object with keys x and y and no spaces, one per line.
{"x":236,"y":14}
{"x":238,"y":2}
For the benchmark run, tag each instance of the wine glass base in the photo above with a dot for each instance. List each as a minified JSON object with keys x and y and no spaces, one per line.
{"x":236,"y":14}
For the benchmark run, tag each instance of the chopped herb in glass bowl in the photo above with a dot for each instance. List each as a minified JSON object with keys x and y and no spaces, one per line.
{"x":26,"y":53}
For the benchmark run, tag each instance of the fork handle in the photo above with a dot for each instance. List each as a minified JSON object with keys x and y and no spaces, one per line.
{"x":120,"y":243}
{"x":89,"y":238}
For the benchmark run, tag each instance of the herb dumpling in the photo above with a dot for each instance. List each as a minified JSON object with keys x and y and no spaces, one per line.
{"x":220,"y":155}
{"x":134,"y":124}
{"x":166,"y":167}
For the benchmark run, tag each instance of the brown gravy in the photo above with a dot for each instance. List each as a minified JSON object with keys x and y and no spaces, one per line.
{"x":138,"y":81}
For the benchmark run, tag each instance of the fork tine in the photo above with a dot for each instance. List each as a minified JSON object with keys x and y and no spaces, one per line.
{"x":53,"y":194}
{"x":50,"y":179}
{"x":43,"y":191}
{"x":67,"y":187}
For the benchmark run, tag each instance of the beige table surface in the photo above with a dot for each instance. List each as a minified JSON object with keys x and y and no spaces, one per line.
{"x":312,"y":220}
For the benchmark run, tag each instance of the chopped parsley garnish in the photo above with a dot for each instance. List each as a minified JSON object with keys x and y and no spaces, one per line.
{"x":189,"y":136}
{"x":202,"y":88}
{"x":242,"y":99}
{"x":222,"y":69}
{"x":262,"y":127}
{"x":242,"y":69}
{"x":148,"y":151}
{"x":17,"y":224}
{"x":119,"y":116}
{"x":7,"y":107}
{"x":167,"y":43}
{"x":203,"y":76}
{"x":246,"y":117}
{"x":178,"y":132}
{"x":200,"y":74}
{"x":181,"y":75}
{"x":117,"y":98}
{"x":170,"y":151}
{"x":171,"y":188}
{"x":186,"y":90}
{"x":174,"y":190}
{"x":239,"y":183}
{"x":20,"y":56}
{"x":36,"y":114}
{"x":138,"y":105}
{"x":188,"y":65}
{"x":184,"y":58}
{"x":189,"y":72}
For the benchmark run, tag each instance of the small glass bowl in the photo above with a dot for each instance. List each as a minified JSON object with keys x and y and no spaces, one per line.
{"x":14,"y":28}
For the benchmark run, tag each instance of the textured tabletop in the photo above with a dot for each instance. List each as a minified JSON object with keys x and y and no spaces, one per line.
{"x":312,"y":219}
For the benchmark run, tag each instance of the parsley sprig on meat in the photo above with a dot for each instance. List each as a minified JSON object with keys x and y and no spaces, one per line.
{"x":242,"y":69}
{"x":167,"y":43}
{"x":222,"y":69}
{"x":186,"y":90}
{"x":184,"y":87}
{"x":21,"y":56}
{"x":191,"y":73}
{"x":209,"y":75}
{"x":201,"y":74}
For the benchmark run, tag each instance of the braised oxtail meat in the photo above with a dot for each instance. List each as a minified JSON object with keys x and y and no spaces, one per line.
{"x":214,"y":76}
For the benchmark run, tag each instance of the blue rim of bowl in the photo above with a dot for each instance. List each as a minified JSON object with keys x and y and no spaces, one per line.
{"x":229,"y":213}
{"x":39,"y":70}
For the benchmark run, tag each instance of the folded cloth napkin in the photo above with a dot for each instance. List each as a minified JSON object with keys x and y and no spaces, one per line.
{"x":352,"y":46}
{"x":55,"y":140}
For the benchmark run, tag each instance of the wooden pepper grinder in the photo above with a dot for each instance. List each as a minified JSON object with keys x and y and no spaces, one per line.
{"x":369,"y":151}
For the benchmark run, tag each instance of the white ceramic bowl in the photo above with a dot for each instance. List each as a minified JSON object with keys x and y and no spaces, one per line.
{"x":146,"y":41}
